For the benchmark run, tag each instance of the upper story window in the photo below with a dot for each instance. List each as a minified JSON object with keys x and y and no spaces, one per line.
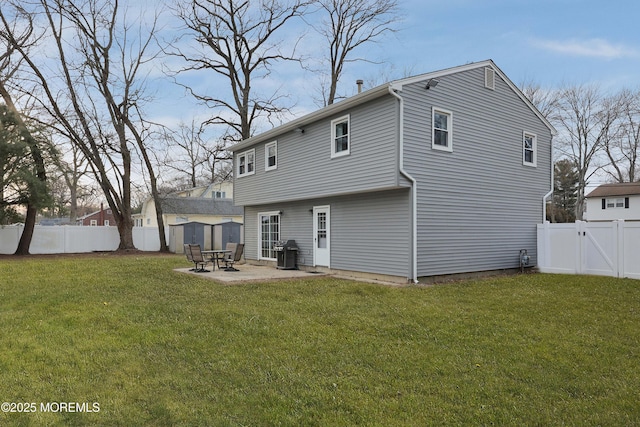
{"x":340,"y":137}
{"x":219,"y":194}
{"x":246,"y":163}
{"x":528,"y":149}
{"x":271,"y":156}
{"x":442,"y":129}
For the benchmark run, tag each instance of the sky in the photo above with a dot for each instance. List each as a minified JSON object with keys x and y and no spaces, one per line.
{"x":551,"y":42}
{"x":547,"y":42}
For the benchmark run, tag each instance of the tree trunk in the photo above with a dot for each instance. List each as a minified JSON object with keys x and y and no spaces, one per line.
{"x":27,"y":233}
{"x":125,"y":230}
{"x":159,"y":217}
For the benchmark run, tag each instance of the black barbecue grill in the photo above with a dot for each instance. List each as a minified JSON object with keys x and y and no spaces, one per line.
{"x":286,"y":253}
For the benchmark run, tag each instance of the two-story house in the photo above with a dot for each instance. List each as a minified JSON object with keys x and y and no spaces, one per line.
{"x":437,"y":174}
{"x":102,"y":218}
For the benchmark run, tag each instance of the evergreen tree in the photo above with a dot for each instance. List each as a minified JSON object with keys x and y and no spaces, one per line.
{"x":23,"y":177}
{"x":565,"y":192}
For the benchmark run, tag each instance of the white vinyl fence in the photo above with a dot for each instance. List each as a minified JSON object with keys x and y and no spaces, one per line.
{"x":600,"y":248}
{"x":76,"y":239}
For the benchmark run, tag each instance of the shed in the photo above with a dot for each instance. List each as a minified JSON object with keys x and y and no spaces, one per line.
{"x":226,"y":232}
{"x":208,"y":236}
{"x":195,"y":233}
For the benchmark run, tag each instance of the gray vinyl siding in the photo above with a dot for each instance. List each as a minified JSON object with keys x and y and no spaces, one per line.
{"x":370,"y":232}
{"x":478,"y":205}
{"x":306,"y":170}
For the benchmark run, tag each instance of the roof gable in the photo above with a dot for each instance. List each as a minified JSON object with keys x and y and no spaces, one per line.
{"x":398,"y":84}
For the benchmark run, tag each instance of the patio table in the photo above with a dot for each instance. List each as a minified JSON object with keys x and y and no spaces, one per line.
{"x":215,"y":256}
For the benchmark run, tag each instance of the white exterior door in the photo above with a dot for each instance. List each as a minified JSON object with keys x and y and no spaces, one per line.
{"x":321,"y":236}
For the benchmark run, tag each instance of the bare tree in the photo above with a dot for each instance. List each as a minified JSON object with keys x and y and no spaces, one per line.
{"x":585,"y":118}
{"x":545,"y":100}
{"x":236,"y":41}
{"x":623,"y":148}
{"x":96,"y":89}
{"x":71,"y":171}
{"x":195,"y":159}
{"x":347,"y":25}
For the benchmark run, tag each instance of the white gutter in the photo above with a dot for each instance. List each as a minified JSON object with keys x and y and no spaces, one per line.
{"x":414,"y":191}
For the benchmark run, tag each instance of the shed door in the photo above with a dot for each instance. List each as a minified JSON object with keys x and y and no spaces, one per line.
{"x":194,"y":234}
{"x":321,"y":236}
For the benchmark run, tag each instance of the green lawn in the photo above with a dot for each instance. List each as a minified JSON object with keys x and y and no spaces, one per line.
{"x":153,"y":347}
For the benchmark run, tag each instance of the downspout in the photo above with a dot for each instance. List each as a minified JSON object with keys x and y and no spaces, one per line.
{"x":414,"y":191}
{"x":546,"y":196}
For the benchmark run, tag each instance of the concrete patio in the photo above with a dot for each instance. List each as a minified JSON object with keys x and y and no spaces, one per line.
{"x":251,"y":273}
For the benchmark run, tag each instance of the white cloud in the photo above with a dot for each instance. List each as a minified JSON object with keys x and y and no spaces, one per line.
{"x":595,"y":48}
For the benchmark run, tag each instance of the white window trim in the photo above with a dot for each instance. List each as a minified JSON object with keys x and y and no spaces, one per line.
{"x":245,"y":154}
{"x":334,"y":122}
{"x":534,"y":148}
{"x":260,"y":215}
{"x":435,"y":146}
{"x":266,"y":156}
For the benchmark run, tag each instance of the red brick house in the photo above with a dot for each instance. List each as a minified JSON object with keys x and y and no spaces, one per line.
{"x":103,"y":217}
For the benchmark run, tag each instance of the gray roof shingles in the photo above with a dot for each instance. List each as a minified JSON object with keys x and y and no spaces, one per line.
{"x":199,"y":206}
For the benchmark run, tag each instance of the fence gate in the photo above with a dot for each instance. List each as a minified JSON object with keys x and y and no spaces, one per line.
{"x":599,"y":248}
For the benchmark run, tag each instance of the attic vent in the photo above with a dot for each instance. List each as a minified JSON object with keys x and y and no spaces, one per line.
{"x":489,"y":78}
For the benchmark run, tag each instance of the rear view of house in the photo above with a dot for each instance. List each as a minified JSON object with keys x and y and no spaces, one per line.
{"x":437,"y":174}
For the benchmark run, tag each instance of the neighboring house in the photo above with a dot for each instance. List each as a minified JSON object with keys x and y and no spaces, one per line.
{"x":220,"y":190}
{"x":611,"y":202}
{"x":438,"y":174}
{"x":103,"y":217}
{"x":210,"y":204}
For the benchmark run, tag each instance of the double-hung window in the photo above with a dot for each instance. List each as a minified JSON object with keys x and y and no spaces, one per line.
{"x":528,"y":149}
{"x":442,"y":136}
{"x":340,"y":137}
{"x":269,"y":233}
{"x":616,"y":203}
{"x":271,"y":156}
{"x":246,"y":163}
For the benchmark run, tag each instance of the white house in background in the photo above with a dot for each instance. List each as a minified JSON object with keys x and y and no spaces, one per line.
{"x":210,"y":204}
{"x":610,"y":202}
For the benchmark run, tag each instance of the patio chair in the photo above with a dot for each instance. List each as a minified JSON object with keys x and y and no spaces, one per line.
{"x":233,"y":256}
{"x":198,"y":259}
{"x":187,"y":252}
